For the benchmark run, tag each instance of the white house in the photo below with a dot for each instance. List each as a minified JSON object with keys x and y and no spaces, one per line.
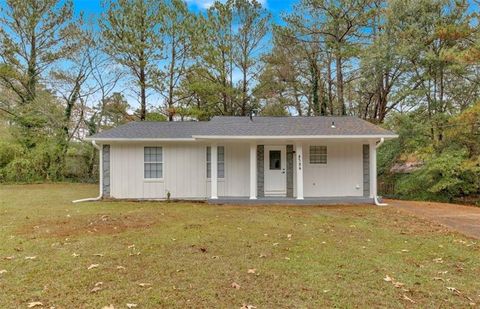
{"x":242,"y":159}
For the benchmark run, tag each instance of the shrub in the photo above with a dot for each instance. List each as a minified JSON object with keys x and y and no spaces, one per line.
{"x":444,"y":176}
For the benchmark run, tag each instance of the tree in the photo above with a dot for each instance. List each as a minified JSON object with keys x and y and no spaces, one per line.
{"x":252,"y":23}
{"x":34,"y":34}
{"x":131,"y":33}
{"x":177,"y":23}
{"x":430,"y":31}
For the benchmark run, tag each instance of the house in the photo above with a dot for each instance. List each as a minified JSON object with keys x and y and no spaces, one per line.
{"x":242,"y":159}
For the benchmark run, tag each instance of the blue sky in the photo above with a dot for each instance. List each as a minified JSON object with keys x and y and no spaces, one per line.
{"x":276,"y":7}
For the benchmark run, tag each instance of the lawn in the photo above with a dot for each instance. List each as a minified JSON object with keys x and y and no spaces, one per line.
{"x":158,"y":255}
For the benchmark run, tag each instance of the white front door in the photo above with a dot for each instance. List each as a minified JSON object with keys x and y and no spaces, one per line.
{"x":275,"y":180}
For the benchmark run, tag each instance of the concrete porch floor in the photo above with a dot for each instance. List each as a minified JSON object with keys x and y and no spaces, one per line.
{"x":349,"y":200}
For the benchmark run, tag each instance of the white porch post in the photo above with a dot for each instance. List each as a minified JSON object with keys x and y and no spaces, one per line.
{"x":299,"y":170}
{"x":253,"y":171}
{"x":214,"y":171}
{"x":373,"y":169}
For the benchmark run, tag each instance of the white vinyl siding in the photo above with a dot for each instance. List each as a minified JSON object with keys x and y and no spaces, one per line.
{"x":220,"y":162}
{"x":318,"y":154}
{"x":153,"y":163}
{"x":185,"y":173}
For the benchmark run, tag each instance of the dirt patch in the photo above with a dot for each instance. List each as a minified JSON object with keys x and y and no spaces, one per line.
{"x":100,"y":224}
{"x":464,"y":219}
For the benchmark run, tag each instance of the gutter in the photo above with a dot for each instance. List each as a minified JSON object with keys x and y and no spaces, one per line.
{"x":99,"y":197}
{"x":375,"y":196}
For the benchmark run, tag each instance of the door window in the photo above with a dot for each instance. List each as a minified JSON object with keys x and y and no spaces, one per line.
{"x":275,"y":159}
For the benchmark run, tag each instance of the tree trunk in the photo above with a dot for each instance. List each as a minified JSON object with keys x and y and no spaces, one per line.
{"x":244,"y":92}
{"x":171,"y":87}
{"x":32,"y":70}
{"x":315,"y":101}
{"x":330,"y":84}
{"x":143,"y":94}
{"x":340,"y":98}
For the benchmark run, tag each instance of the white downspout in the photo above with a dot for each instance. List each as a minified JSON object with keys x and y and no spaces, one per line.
{"x":92,"y":199}
{"x":375,"y":197}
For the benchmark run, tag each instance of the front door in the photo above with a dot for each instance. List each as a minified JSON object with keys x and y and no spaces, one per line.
{"x":275,"y":180}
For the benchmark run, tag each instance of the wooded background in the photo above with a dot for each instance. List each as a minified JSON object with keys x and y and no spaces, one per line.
{"x":411,"y":66}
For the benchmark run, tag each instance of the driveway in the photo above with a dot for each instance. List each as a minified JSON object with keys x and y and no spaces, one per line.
{"x":464,"y":219}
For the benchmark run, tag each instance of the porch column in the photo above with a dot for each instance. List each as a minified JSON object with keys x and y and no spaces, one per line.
{"x":373,"y":169}
{"x":299,"y":170}
{"x":214,"y":171}
{"x":253,"y":171}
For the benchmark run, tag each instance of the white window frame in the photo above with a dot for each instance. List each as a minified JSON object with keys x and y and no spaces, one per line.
{"x":161,"y":162}
{"x":209,"y":162}
{"x":320,"y":155}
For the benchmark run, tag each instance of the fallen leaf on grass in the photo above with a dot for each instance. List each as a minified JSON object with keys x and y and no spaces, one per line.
{"x":235,"y":285}
{"x":408,"y":298}
{"x":98,"y":254}
{"x":405,"y":250}
{"x":453,"y":290}
{"x":95,"y":289}
{"x":398,"y":284}
{"x":438,"y":260}
{"x":251,"y":271}
{"x":3,"y":271}
{"x":121,"y":267}
{"x":34,"y":304}
{"x":144,"y":284}
{"x":93,"y":266}
{"x":262,"y":255}
{"x":30,"y":257}
{"x":131,"y":306}
{"x":395,"y":283}
{"x":275,"y":244}
{"x":9,"y":257}
{"x":248,"y":307}
{"x":438,"y":279}
{"x":215,"y":257}
{"x":131,"y":246}
{"x":289,"y":236}
{"x":109,"y":307}
{"x":75,"y":254}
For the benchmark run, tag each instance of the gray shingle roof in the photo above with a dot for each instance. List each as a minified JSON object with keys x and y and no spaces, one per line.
{"x":243,"y":126}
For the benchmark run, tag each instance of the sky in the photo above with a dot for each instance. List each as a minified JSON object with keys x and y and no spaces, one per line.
{"x":91,"y":8}
{"x":276,"y":7}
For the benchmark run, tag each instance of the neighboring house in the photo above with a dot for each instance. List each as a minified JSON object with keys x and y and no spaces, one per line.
{"x":241,"y":159}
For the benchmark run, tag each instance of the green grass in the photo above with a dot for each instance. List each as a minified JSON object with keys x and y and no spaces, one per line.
{"x":191,"y":253}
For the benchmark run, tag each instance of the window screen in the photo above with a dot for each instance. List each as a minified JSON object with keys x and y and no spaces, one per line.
{"x":220,"y":162}
{"x":275,"y":159}
{"x":318,"y":154}
{"x":153,"y":163}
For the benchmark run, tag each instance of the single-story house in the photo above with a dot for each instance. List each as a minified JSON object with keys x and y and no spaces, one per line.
{"x":262,"y":159}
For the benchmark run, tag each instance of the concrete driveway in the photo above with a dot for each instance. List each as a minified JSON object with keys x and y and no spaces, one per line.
{"x":464,"y":219}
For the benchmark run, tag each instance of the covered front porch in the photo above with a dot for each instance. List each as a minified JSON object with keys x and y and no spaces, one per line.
{"x":307,"y":201}
{"x":305,"y":171}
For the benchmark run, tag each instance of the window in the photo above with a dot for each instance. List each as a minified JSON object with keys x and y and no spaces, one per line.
{"x":318,"y":154}
{"x":275,"y":159}
{"x":153,"y":163}
{"x":220,"y":162}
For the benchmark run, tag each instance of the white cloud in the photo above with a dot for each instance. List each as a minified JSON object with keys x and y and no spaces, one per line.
{"x":205,"y":4}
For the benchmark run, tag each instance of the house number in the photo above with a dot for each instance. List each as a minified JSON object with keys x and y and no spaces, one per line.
{"x":299,"y":162}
